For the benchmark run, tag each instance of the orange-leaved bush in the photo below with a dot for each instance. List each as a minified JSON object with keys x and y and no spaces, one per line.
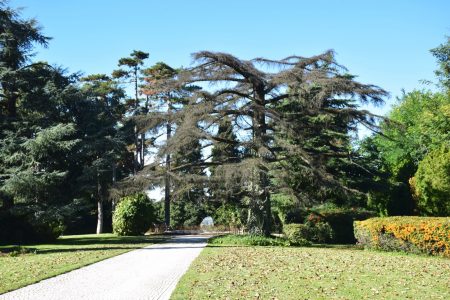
{"x":429,"y":235}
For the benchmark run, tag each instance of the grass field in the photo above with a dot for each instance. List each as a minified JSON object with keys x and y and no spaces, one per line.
{"x":25,"y":265}
{"x":224,"y":272}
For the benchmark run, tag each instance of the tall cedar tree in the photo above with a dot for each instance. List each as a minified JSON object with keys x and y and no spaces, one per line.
{"x":37,"y":134}
{"x":132,"y":74}
{"x":159,"y":87}
{"x":248,"y":93}
{"x":166,"y":99}
{"x":103,"y":145}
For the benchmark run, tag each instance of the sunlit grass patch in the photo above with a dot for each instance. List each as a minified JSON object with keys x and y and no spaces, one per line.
{"x":21,"y":266}
{"x":312,"y":273}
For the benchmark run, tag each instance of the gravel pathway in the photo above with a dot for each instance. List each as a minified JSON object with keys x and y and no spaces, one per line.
{"x":148,"y":273}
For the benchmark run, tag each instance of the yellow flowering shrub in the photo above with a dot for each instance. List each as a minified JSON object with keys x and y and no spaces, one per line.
{"x":429,"y":235}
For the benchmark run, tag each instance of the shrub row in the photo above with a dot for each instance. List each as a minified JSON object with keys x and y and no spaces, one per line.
{"x":341,"y":221}
{"x":339,"y":218}
{"x":254,"y":240}
{"x":411,"y":234}
{"x":23,"y":227}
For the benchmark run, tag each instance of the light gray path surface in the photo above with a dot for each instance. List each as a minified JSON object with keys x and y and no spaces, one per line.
{"x":147,"y":273}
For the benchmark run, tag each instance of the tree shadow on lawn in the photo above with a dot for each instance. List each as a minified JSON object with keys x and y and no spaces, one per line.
{"x":108,"y":240}
{"x":323,"y":246}
{"x":96,"y":244}
{"x":338,"y":246}
{"x":47,"y":251}
{"x":68,"y":241}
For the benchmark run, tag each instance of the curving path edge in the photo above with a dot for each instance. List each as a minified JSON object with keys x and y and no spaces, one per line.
{"x":148,"y":273}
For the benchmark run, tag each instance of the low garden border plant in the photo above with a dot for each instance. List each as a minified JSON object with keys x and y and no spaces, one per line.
{"x":254,"y":240}
{"x":430,"y":235}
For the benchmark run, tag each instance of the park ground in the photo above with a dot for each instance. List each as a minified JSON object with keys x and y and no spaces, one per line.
{"x":227,"y":271}
{"x":333,"y":272}
{"x":21,"y":266}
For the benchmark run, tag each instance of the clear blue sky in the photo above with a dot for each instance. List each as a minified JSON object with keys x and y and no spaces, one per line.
{"x":384,"y":42}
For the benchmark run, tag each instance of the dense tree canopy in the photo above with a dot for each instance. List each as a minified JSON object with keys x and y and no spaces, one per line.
{"x":250,"y":97}
{"x":228,"y":137}
{"x":419,"y":127}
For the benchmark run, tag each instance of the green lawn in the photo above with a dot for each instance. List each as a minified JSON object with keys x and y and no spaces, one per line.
{"x":225,"y":272}
{"x":67,"y":253}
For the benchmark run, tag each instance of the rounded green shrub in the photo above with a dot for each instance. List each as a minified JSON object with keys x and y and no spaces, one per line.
{"x":320,"y":232}
{"x":296,"y":233}
{"x":47,"y":226}
{"x":134,"y":215}
{"x":431,"y":183}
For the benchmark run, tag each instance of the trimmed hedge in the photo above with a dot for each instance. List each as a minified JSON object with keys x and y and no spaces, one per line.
{"x":430,"y":235}
{"x":341,"y":221}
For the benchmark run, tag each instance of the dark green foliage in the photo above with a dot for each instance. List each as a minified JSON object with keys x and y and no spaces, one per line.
{"x":340,"y":219}
{"x":189,"y":202}
{"x":24,"y":227}
{"x":295,"y":215}
{"x":230,"y":215}
{"x":187,"y":212}
{"x":326,"y":136}
{"x":319,"y":232}
{"x":134,"y":215}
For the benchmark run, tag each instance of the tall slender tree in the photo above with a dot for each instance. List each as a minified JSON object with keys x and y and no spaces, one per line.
{"x":160,"y":86}
{"x":131,"y":68}
{"x":103,"y":144}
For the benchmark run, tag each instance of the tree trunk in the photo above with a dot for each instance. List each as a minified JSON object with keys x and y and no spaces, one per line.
{"x":12,"y":106}
{"x":114,"y":180}
{"x":167,"y":182}
{"x":260,"y":219}
{"x":99,"y":207}
{"x":137,"y":155}
{"x":137,"y":151}
{"x":142,"y":154}
{"x":99,"y":216}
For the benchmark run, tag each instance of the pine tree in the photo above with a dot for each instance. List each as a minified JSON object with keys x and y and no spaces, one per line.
{"x":132,"y":74}
{"x":103,"y":145}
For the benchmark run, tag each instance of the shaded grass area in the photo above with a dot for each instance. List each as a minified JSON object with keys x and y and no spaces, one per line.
{"x":312,"y":273}
{"x":21,"y":266}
